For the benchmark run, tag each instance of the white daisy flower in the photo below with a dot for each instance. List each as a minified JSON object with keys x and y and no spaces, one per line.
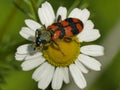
{"x":52,"y":66}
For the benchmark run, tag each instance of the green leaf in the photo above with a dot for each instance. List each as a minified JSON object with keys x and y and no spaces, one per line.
{"x":105,"y":14}
{"x":110,"y":79}
{"x":19,"y":80}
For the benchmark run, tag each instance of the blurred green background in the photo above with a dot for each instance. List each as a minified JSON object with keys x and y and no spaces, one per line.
{"x":106,"y":16}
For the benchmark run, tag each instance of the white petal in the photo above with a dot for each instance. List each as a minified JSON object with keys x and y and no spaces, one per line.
{"x":88,"y":25}
{"x":65,"y":75}
{"x":75,"y":13}
{"x":77,"y":76}
{"x":83,"y":15}
{"x":33,"y":56}
{"x":92,"y":50}
{"x":32,"y":63}
{"x":89,"y":62}
{"x":20,"y":57}
{"x":24,"y":52}
{"x":32,"y":24}
{"x":46,"y":14}
{"x":57,"y":79}
{"x":27,"y":33}
{"x":25,"y":49}
{"x":46,"y":77}
{"x":89,"y":35}
{"x":41,"y":71}
{"x":62,"y":11}
{"x":81,"y":67}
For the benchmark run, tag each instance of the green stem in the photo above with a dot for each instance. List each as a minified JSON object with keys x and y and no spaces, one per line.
{"x":83,"y":4}
{"x":22,"y":9}
{"x":39,"y":2}
{"x":34,"y":10}
{"x":8,"y":22}
{"x":76,"y":3}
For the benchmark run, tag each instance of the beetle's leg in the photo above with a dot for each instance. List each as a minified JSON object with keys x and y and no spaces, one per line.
{"x":37,"y":48}
{"x":59,"y":18}
{"x":36,"y":33}
{"x":45,"y":46}
{"x":75,"y":40}
{"x":43,"y":27}
{"x":68,"y":39}
{"x":55,"y":43}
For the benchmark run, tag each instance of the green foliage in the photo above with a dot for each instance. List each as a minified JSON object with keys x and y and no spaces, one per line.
{"x":105,"y":14}
{"x":110,"y":79}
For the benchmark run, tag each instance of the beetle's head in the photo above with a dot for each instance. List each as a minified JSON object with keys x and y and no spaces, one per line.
{"x":42,"y":37}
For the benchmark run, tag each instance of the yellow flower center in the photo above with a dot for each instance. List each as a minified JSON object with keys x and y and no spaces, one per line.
{"x":63,"y":54}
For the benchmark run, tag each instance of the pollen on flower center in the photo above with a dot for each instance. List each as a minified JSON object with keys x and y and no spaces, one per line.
{"x":64,"y":57}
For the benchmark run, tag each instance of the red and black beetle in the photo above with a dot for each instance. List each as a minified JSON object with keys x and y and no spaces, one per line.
{"x":62,"y":29}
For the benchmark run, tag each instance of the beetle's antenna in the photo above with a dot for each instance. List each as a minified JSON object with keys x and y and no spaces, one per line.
{"x":58,"y":18}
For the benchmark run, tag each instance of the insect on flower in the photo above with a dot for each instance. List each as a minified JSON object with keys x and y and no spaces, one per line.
{"x":62,"y":29}
{"x":59,"y":51}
